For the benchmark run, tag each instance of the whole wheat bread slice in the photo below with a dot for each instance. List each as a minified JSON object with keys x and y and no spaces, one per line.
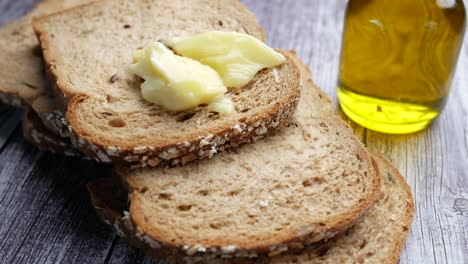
{"x":88,"y":49}
{"x":378,"y":237}
{"x":22,"y":79}
{"x":308,"y":182}
{"x":37,"y":134}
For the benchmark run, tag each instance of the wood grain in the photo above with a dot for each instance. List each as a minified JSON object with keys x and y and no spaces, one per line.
{"x":9,"y":120}
{"x":45,"y":215}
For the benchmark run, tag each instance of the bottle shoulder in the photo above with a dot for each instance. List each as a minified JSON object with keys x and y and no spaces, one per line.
{"x":415,"y":11}
{"x":415,"y":7}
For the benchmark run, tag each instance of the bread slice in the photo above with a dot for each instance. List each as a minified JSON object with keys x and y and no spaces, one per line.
{"x":378,"y":237}
{"x":110,"y":119}
{"x":308,"y":182}
{"x":22,"y":79}
{"x":37,"y":134}
{"x":22,"y":73}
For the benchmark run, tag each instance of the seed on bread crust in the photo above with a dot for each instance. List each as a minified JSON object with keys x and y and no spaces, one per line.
{"x":140,"y":150}
{"x":112,"y":151}
{"x":153,"y":162}
{"x":229,"y":249}
{"x":103,"y":157}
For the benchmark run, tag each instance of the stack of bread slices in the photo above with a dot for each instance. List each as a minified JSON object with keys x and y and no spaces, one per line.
{"x":282,"y":180}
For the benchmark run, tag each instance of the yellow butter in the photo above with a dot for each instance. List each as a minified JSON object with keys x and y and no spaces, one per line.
{"x":221,"y":105}
{"x":177,"y":83}
{"x":235,"y":56}
{"x":138,"y":55}
{"x":204,"y":66}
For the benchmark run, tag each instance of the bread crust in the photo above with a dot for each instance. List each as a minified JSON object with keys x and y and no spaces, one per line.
{"x":410,"y":207}
{"x":37,"y":134}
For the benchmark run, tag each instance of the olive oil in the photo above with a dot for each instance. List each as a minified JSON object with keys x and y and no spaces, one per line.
{"x":397,"y":62}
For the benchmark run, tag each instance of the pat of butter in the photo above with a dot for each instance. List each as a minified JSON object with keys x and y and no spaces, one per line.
{"x":178,"y":83}
{"x":235,"y":56}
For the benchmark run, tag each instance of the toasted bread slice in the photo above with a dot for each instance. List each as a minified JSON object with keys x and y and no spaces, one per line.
{"x":110,"y":119}
{"x":37,"y":134}
{"x":308,"y":182}
{"x":378,"y":237}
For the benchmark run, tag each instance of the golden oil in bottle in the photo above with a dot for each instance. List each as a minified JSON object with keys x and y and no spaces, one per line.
{"x":397,"y":62}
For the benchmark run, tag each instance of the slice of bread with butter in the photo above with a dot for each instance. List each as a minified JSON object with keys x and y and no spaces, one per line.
{"x":378,"y":236}
{"x":306,"y":183}
{"x":110,"y":119}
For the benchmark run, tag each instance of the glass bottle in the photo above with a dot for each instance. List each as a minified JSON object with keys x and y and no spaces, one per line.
{"x":397,"y":62}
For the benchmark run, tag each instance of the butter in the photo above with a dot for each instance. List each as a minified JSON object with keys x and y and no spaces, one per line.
{"x":234,"y":56}
{"x":222,"y":105}
{"x":201,"y":70}
{"x":178,"y":83}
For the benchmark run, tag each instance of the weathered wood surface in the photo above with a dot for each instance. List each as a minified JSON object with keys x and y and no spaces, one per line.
{"x":46,"y":217}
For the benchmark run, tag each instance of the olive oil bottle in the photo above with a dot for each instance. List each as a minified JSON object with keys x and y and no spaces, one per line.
{"x":397,"y":62}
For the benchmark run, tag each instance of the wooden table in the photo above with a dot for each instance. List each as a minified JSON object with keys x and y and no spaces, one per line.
{"x":46,"y":216}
